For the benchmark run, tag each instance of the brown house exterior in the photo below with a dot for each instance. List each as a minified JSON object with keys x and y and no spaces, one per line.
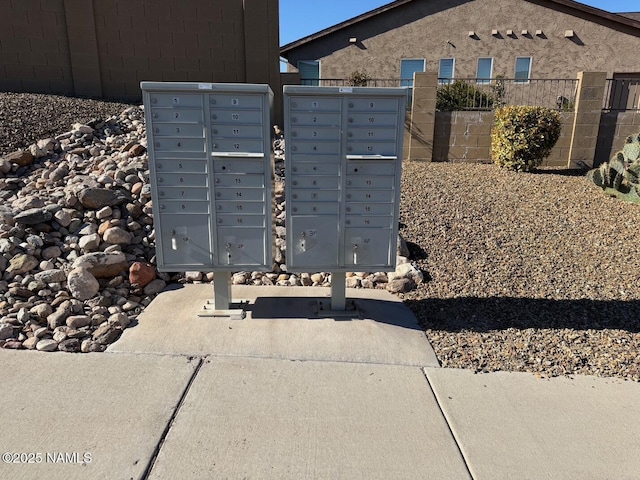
{"x":104,"y":48}
{"x":561,"y":38}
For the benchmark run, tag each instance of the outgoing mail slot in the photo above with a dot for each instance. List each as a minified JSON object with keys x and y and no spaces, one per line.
{"x":372,"y":119}
{"x":361,"y":221}
{"x":315,"y":104}
{"x":370,"y":196}
{"x":179,"y":166}
{"x":178,"y":130}
{"x":181,"y":180}
{"x":355,"y":147}
{"x":328,"y":182}
{"x":315,"y":195}
{"x":369,"y":208}
{"x":319,"y":147}
{"x":237,"y":166}
{"x":316,"y":119}
{"x":183,"y":207}
{"x":237,"y":145}
{"x":369,"y":183}
{"x":176,"y":115}
{"x":240,"y":180}
{"x":315,"y":208}
{"x":240,"y":220}
{"x":243,"y":207}
{"x":235,"y":101}
{"x":316,"y":168}
{"x":237,"y":131}
{"x":237,"y":194}
{"x":313,"y":133}
{"x":172,"y":193}
{"x":246,"y":117}
{"x":370,"y":133}
{"x":175,"y":100}
{"x":373,"y":104}
{"x":371,"y":168}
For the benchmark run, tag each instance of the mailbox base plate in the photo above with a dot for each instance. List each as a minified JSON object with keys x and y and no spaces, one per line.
{"x":322,"y":309}
{"x":237,"y":310}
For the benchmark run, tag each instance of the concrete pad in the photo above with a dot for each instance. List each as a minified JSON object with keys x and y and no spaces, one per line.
{"x":276,"y":419}
{"x":85,"y":416}
{"x":281,"y":323}
{"x":516,"y":425}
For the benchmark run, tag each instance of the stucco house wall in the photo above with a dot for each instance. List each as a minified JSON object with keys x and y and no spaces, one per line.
{"x":433,"y":30}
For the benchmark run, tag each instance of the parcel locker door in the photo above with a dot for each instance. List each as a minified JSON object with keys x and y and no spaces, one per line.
{"x":184,"y":240}
{"x":313,"y":242}
{"x":241,"y":246}
{"x":368,"y":247}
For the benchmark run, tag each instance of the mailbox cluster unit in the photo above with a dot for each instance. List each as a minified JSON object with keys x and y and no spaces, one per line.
{"x":211,"y":178}
{"x":211,"y":174}
{"x":343,"y":164}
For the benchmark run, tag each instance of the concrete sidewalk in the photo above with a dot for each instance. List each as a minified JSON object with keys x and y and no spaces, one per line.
{"x":290,"y":394}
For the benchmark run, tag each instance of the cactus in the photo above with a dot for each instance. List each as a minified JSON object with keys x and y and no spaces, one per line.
{"x":620,"y":177}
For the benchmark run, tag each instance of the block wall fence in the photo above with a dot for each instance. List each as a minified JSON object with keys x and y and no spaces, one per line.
{"x":589,"y":135}
{"x":105,"y":48}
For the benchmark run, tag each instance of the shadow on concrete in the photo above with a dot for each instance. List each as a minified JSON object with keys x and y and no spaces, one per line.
{"x":500,"y":313}
{"x":319,"y":308}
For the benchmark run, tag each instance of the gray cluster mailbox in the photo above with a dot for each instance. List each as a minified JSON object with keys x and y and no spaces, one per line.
{"x":343,"y":163}
{"x":211,"y":176}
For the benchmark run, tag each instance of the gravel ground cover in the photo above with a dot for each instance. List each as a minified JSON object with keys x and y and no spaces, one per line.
{"x":27,"y":117}
{"x":525,"y":272}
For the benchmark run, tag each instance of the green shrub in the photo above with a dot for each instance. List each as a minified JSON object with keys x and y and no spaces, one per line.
{"x":522,"y":136}
{"x":461,"y":95}
{"x":359,"y":79}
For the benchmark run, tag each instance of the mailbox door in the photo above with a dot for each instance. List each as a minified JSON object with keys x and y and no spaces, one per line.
{"x":368,"y":247}
{"x":185,"y":241}
{"x":314,"y":241}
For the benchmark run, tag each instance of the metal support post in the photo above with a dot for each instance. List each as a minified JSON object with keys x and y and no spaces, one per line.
{"x":222,"y":290}
{"x":338,"y":291}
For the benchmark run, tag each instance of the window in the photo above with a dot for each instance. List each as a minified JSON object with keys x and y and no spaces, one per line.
{"x":523,"y":69}
{"x":407,"y":68}
{"x":445,"y":73}
{"x":485,"y":70}
{"x":309,"y":72}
